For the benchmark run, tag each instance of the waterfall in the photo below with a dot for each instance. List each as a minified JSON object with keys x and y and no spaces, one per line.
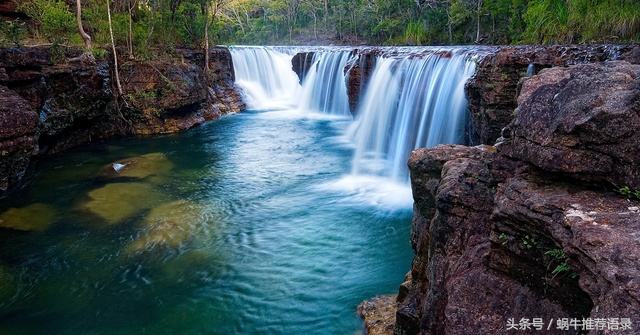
{"x":265,"y":76}
{"x":409,"y":102}
{"x":324,"y":88}
{"x":414,"y":97}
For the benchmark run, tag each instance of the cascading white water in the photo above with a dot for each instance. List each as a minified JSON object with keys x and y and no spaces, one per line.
{"x":409,"y":103}
{"x":324,"y":88}
{"x":265,"y":76}
{"x":413,"y":98}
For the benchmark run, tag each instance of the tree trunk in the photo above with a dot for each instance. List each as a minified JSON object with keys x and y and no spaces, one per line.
{"x":478,"y":21}
{"x":315,"y":25}
{"x":113,"y":47}
{"x":449,"y":27}
{"x":131,"y":29}
{"x":85,"y":37}
{"x":326,"y":13}
{"x":206,"y":39}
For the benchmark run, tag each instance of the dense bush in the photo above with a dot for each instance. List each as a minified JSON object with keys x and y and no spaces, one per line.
{"x":161,"y":25}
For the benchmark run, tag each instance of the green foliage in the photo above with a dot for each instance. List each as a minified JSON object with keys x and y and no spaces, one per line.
{"x":561,"y":268}
{"x":556,"y":254}
{"x":55,"y":22}
{"x":12,"y":33}
{"x":629,"y":193}
{"x":159,"y":26}
{"x":558,"y":258}
{"x":503,"y":238}
{"x":415,"y":33}
{"x":528,"y":242}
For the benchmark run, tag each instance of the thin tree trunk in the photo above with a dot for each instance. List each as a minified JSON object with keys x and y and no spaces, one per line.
{"x":478,"y":21}
{"x":131,"y":29}
{"x":113,"y":47}
{"x":326,"y":12}
{"x":315,"y":25}
{"x":206,"y":38}
{"x":85,"y":37}
{"x":449,"y":27}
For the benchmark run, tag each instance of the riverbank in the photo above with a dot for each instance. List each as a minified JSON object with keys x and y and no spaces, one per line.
{"x":53,"y":100}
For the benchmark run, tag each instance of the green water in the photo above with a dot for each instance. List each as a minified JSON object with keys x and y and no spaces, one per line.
{"x":229,"y":228}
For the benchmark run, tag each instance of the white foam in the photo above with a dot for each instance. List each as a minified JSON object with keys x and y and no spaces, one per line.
{"x":371,"y":190}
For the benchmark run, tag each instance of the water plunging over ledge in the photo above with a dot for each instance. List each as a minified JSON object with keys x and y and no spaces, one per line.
{"x":414,"y":98}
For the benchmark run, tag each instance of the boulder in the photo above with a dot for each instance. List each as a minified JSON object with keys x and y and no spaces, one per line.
{"x":493,"y":90}
{"x":301,"y":62}
{"x":580,"y":121}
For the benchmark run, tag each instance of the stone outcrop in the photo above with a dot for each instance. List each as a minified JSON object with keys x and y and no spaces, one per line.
{"x":493,"y":90}
{"x":301,"y":62}
{"x":18,"y":122}
{"x":70,"y":101}
{"x":518,"y":230}
{"x":358,"y":71}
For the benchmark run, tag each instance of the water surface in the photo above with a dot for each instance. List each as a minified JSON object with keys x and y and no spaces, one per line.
{"x":230,"y":228}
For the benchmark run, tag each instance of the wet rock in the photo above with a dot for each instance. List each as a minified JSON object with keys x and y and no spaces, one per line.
{"x":357,"y":73}
{"x":379,"y":315}
{"x":116,"y":202}
{"x":34,"y":217}
{"x":301,"y":63}
{"x":580,"y":121}
{"x":154,"y":164}
{"x":18,"y":123}
{"x":168,"y":225}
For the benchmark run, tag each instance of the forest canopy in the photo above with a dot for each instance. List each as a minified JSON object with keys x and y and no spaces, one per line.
{"x":143,"y":25}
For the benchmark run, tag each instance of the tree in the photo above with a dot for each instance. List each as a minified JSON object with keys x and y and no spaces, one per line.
{"x":130,"y":6}
{"x":113,"y":47}
{"x":85,"y":37}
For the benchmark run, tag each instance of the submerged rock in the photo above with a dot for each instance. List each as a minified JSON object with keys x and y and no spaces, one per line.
{"x":168,"y":225}
{"x":117,"y":202}
{"x":34,"y":217}
{"x":154,"y":164}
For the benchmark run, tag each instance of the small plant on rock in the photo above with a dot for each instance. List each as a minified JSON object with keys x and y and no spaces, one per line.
{"x":629,"y":193}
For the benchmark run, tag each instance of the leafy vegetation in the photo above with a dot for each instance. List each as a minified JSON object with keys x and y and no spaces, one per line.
{"x":558,"y":260}
{"x":629,"y":193}
{"x":148,"y":27}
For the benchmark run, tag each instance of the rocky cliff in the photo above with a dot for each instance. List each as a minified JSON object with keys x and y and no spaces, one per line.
{"x":493,"y":90}
{"x":53,"y":100}
{"x":531,"y":227}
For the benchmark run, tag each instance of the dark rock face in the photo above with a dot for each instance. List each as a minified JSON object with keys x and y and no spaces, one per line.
{"x":18,"y":123}
{"x":301,"y":63}
{"x":358,"y":73}
{"x":493,"y":90}
{"x":73,"y":100}
{"x":508,"y":232}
